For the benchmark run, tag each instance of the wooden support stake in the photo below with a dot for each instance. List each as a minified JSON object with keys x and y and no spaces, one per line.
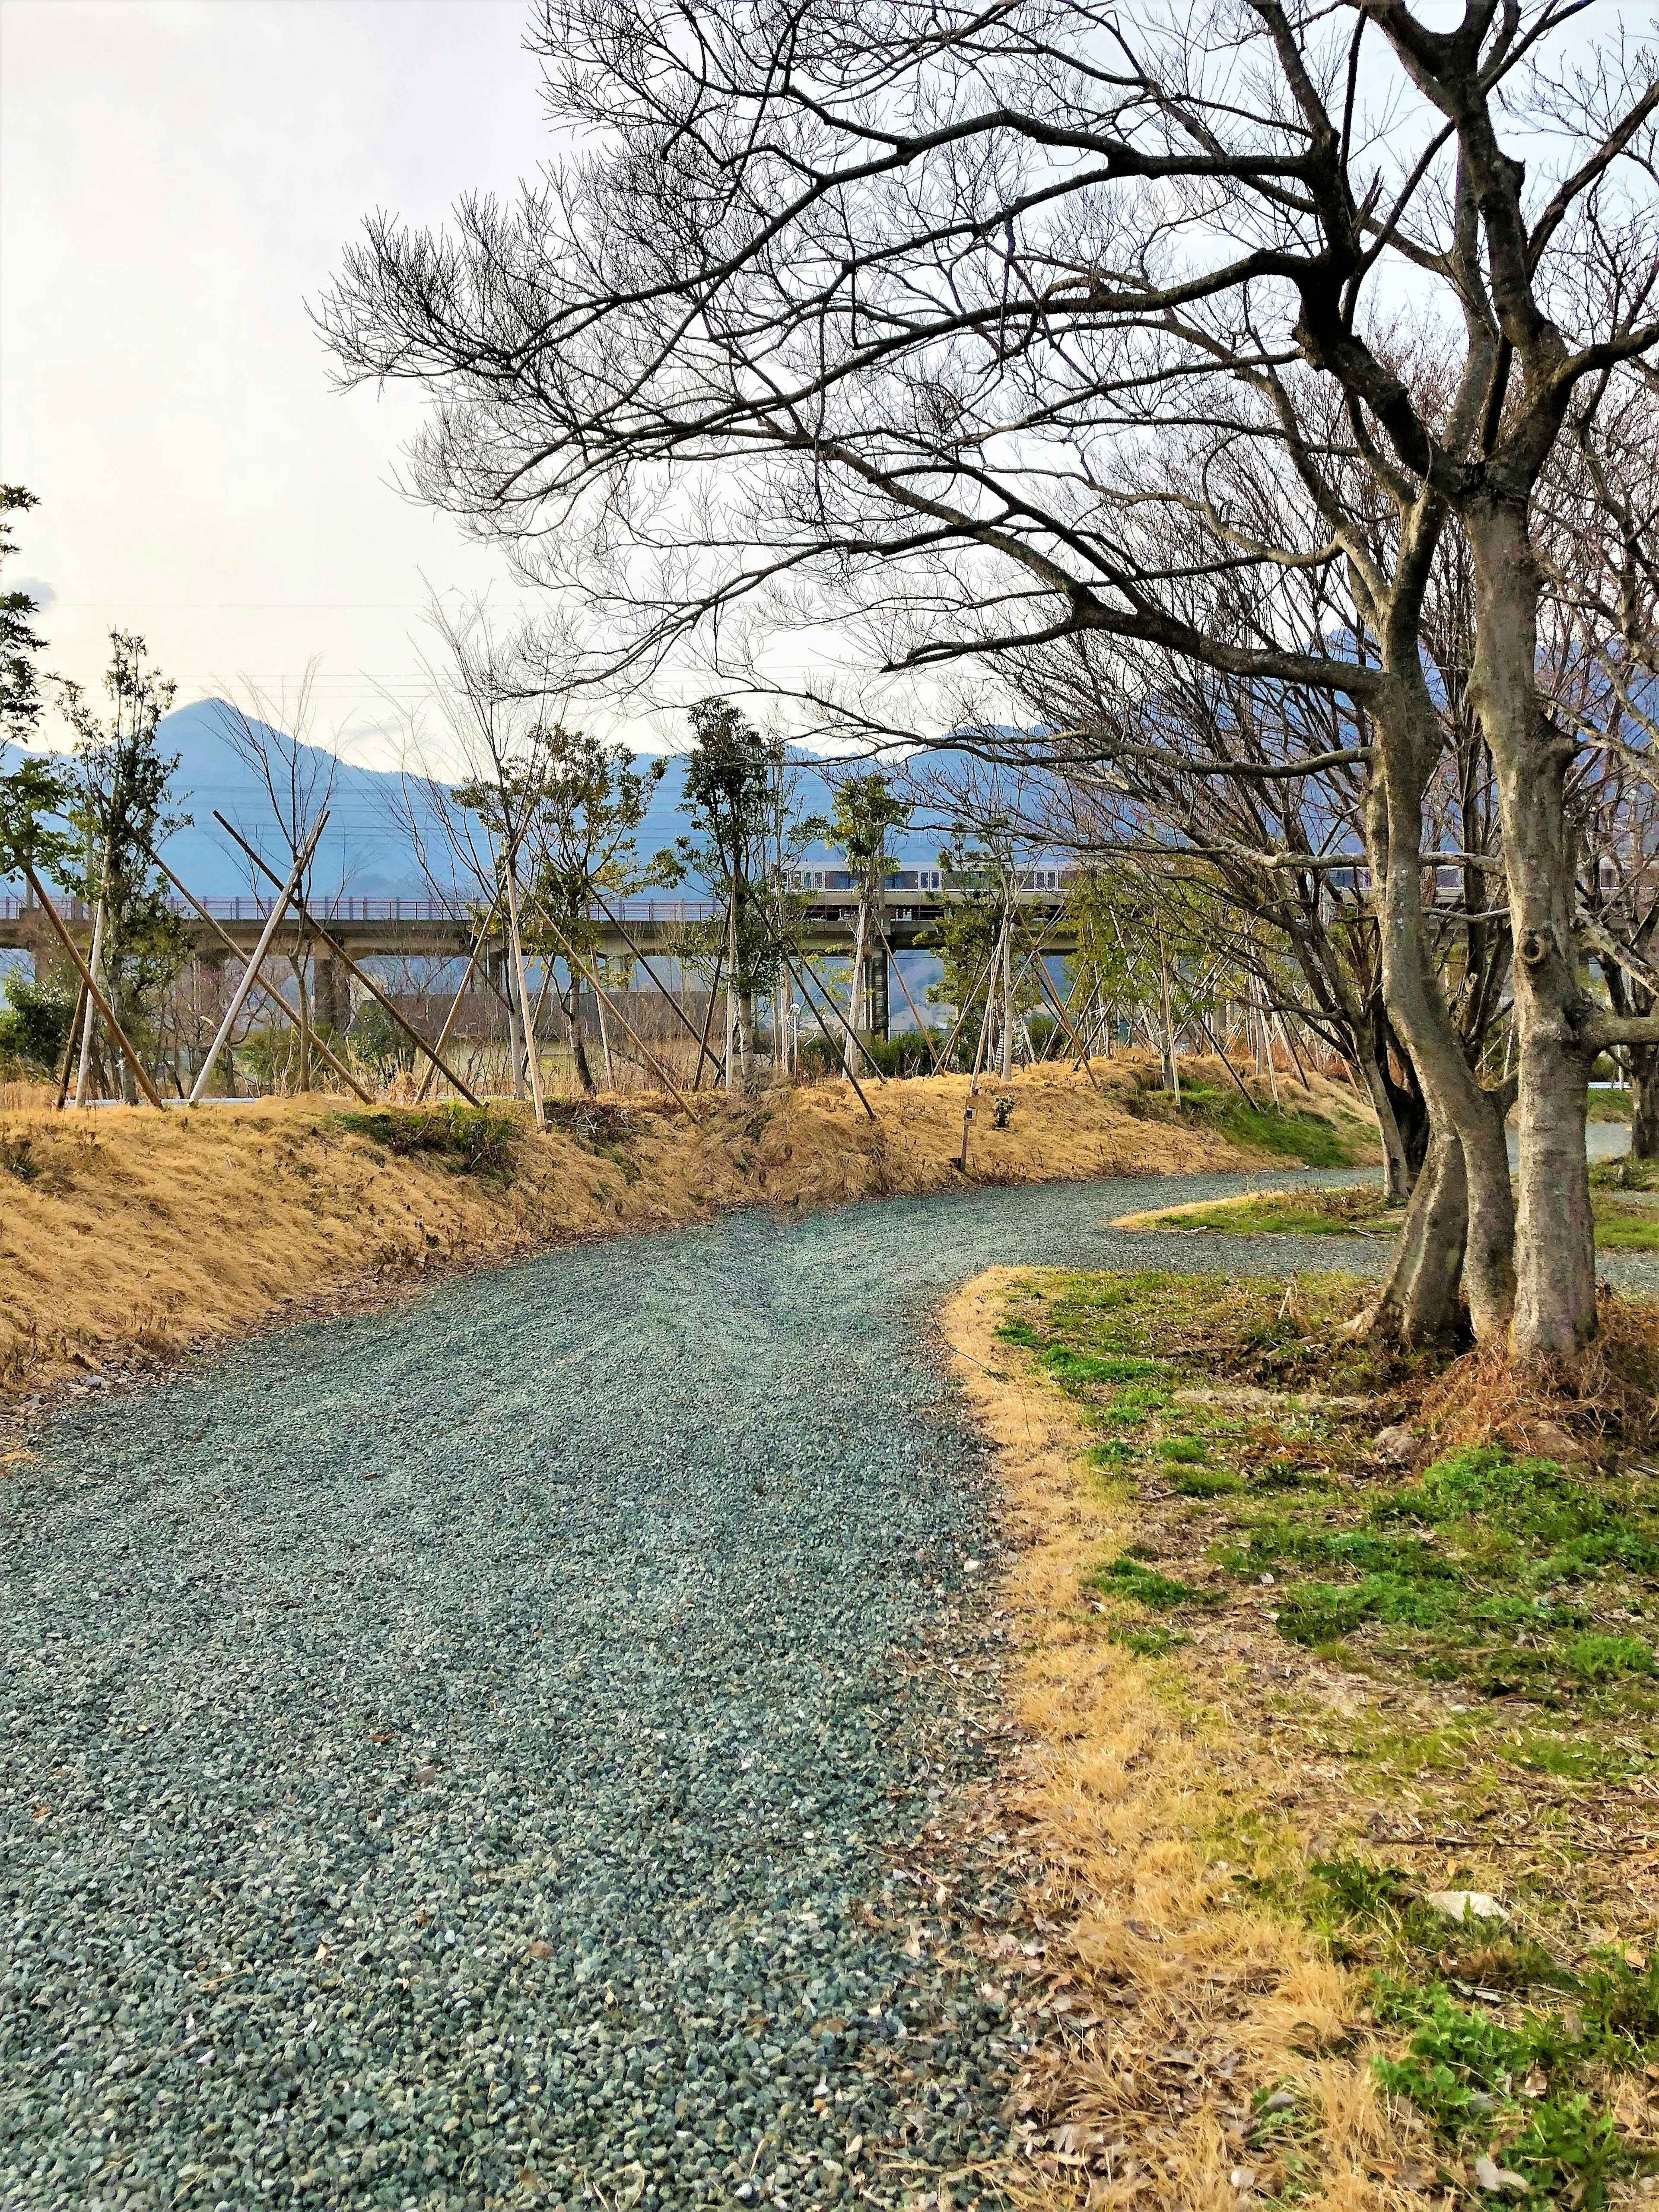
{"x":524,"y":1014}
{"x":926,"y":1034}
{"x":679,"y":1011}
{"x":81,"y":1005}
{"x":351,"y":967}
{"x":94,"y":961}
{"x":708,"y":1022}
{"x":829,"y":1002}
{"x":93,"y":992}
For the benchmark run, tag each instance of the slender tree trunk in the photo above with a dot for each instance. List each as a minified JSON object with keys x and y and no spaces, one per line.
{"x":1555,"y":1256}
{"x":731,"y":994}
{"x":1396,"y":1172}
{"x":1007,"y":1001}
{"x":1644,"y":1101}
{"x":604,"y":1043}
{"x":96,"y":963}
{"x":571,"y":1001}
{"x":854,"y":991}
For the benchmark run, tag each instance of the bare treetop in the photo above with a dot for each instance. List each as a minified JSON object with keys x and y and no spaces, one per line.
{"x":871,"y":310}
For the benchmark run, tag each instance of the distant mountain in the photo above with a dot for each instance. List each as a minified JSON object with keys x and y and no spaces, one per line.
{"x":366,"y":851}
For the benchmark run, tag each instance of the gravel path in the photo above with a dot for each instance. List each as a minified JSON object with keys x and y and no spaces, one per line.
{"x":451,"y":1751}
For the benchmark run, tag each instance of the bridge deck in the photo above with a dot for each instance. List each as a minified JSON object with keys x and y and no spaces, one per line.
{"x":425,"y":929}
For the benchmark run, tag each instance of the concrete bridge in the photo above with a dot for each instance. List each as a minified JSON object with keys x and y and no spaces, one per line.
{"x":430,"y":929}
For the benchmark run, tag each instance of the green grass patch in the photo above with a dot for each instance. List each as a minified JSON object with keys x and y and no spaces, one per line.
{"x":1146,"y":1639}
{"x":1362,"y":1211}
{"x":1504,"y":1574}
{"x":1298,"y":1136}
{"x":467,"y":1140}
{"x":1184,"y":1451}
{"x":1624,"y":1228}
{"x":1208,"y":1482}
{"x":1133,"y":1578}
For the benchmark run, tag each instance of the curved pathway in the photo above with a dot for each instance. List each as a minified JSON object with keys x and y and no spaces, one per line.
{"x":451,"y":1752}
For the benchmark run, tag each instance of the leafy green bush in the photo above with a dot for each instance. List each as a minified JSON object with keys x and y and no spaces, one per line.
{"x":34,"y":1027}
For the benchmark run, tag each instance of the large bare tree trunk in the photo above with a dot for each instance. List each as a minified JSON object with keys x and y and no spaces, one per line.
{"x":1419,"y":1301}
{"x":1555,"y":1253}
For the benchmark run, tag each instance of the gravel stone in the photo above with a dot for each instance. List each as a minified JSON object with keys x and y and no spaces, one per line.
{"x":452,"y":1753}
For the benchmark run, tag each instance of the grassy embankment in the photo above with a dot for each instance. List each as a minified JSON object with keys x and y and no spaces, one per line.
{"x":1622,"y":1224}
{"x":127,"y":1235}
{"x":1287,"y":1697}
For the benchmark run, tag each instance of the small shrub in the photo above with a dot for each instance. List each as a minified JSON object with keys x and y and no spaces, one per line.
{"x":467,"y":1140}
{"x":17,"y":1157}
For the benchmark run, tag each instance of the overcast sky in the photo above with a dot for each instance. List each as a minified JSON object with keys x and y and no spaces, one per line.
{"x":177,"y":179}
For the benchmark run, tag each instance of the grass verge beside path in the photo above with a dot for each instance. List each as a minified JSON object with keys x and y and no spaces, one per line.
{"x":1626,"y":1226}
{"x":128,"y":1237}
{"x":1292,"y":1705}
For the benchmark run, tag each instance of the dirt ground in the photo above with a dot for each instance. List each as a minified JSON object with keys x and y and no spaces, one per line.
{"x":128,"y":1238}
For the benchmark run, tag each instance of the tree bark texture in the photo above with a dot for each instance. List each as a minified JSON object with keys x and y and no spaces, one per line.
{"x":1555,"y":1283}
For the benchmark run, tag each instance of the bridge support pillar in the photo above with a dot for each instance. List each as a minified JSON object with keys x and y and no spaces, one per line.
{"x":331,"y":995}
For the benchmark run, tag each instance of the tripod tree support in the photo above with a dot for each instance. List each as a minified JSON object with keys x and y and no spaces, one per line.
{"x":92,"y":990}
{"x":251,"y":973}
{"x":275,"y":997}
{"x":455,"y":1003}
{"x":327,"y":937}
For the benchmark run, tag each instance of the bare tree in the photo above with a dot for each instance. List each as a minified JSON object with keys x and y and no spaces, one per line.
{"x":865,"y":309}
{"x":271,"y":734}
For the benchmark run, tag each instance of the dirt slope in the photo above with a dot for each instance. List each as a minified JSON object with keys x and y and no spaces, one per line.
{"x":129,"y":1237}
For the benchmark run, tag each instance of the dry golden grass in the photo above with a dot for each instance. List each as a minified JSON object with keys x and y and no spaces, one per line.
{"x":1146,"y":1791}
{"x":132,"y":1236}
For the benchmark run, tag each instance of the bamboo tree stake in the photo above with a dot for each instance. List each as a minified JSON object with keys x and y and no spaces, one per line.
{"x":1290,"y":1043}
{"x":679,"y":1011}
{"x":274,"y":996}
{"x":704,"y":1052}
{"x":1047,"y":988}
{"x":251,"y":973}
{"x":92,"y":990}
{"x":962,"y":1010}
{"x":889,"y":954}
{"x":368,"y":981}
{"x":829,"y":1000}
